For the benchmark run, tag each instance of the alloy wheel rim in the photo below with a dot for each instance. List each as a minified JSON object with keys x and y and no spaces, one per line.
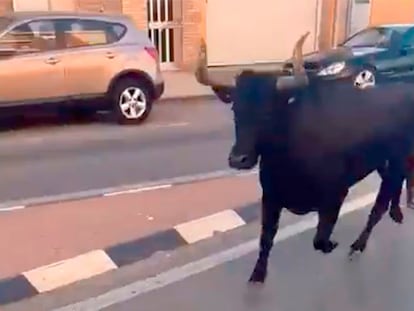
{"x":133,"y":102}
{"x":364,"y":79}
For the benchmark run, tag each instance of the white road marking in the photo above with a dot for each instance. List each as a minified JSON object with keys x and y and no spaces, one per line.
{"x":204,"y":227}
{"x":105,"y":191}
{"x":138,"y":190}
{"x":68,"y":271}
{"x":165,"y":125}
{"x":249,"y":173}
{"x":174,"y":275}
{"x":12,"y":208}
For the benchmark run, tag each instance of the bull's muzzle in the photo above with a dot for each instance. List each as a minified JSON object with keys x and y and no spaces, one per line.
{"x":242,"y":161}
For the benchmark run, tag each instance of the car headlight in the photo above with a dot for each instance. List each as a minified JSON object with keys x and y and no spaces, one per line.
{"x":332,"y":69}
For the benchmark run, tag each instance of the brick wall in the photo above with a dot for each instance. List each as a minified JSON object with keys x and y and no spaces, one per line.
{"x":193,"y":23}
{"x":109,"y":6}
{"x":6,"y":6}
{"x":137,"y":9}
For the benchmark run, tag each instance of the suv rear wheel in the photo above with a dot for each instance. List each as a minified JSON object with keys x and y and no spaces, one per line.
{"x":131,"y":101}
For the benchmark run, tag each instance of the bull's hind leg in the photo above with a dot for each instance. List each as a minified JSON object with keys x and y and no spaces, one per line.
{"x":410,"y":190}
{"x":270,"y":222}
{"x":390,"y":186}
{"x":396,"y":213}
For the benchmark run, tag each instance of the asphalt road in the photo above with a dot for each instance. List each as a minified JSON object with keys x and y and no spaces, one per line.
{"x":212,"y":274}
{"x":301,"y":279}
{"x":41,"y":156}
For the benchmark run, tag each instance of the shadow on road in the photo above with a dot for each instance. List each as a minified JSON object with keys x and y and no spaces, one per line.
{"x":50,"y":119}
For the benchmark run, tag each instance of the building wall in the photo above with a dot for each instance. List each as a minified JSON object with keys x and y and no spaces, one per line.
{"x":332,"y":26}
{"x":109,"y":6}
{"x":392,"y":11}
{"x":327,"y":24}
{"x":5,"y":6}
{"x":193,"y":16}
{"x":193,"y":29}
{"x":342,"y":21}
{"x":137,"y":9}
{"x":270,"y":39}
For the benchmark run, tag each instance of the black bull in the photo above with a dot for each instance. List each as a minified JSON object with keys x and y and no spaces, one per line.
{"x":313,"y":144}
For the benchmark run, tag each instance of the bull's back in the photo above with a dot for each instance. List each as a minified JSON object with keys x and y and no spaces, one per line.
{"x":345,"y":118}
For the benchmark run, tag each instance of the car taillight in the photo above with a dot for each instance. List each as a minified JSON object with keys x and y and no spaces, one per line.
{"x":152,"y":52}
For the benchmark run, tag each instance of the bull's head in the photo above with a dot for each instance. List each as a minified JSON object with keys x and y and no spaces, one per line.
{"x":253,"y":95}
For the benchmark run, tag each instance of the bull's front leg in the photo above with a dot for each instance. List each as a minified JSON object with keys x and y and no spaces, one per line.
{"x":271,"y":211}
{"x":328,"y":216}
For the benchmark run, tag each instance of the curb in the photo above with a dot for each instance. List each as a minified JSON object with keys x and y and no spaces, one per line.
{"x":53,"y":276}
{"x":13,"y":205}
{"x":174,"y":99}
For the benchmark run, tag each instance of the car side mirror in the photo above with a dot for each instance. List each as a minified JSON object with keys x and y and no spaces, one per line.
{"x":405,"y":48}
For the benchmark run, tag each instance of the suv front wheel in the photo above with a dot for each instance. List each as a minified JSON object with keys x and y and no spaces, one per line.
{"x":131,"y":101}
{"x":365,"y":77}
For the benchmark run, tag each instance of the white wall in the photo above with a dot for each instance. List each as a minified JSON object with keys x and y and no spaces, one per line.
{"x":249,"y":31}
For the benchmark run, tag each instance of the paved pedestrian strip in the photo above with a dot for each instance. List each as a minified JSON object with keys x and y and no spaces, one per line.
{"x":299,"y":278}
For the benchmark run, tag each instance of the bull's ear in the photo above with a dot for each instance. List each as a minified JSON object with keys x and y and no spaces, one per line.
{"x":291,"y":82}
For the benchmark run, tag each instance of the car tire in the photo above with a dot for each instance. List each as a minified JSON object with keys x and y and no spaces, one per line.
{"x":135,"y":110}
{"x":365,"y":77}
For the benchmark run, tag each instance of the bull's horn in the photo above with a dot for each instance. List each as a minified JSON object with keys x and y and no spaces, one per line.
{"x":201,"y":71}
{"x":298,"y":54}
{"x":299,"y":77}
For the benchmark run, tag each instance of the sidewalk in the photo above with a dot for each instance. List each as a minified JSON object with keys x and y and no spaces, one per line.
{"x":182,"y":84}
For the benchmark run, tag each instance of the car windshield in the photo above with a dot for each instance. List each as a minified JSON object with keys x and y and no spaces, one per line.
{"x":373,"y":37}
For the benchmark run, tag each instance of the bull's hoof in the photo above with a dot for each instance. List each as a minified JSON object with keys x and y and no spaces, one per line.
{"x":396,"y":215}
{"x":357,"y":246}
{"x":325,"y":247}
{"x":258,"y":275}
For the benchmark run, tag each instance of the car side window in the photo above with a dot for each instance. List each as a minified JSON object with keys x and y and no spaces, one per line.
{"x":30,"y":37}
{"x":82,"y":33}
{"x":369,"y":37}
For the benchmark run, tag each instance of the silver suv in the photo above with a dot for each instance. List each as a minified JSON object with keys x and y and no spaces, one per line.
{"x":52,"y":57}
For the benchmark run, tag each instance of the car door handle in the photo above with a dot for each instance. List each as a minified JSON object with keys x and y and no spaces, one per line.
{"x":52,"y":61}
{"x":110,"y":55}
